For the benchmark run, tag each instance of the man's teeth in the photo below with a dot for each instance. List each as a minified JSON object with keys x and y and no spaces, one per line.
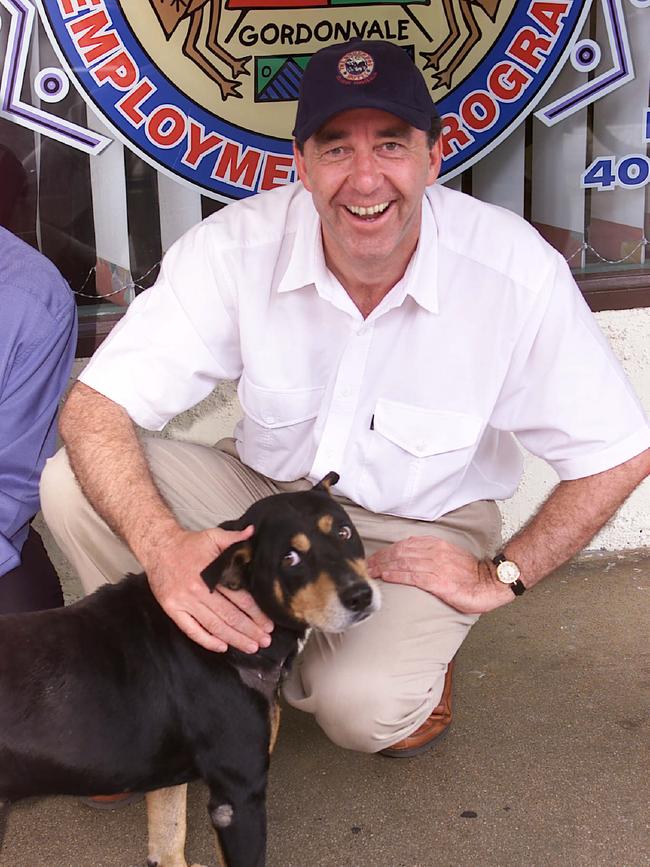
{"x":368,"y":212}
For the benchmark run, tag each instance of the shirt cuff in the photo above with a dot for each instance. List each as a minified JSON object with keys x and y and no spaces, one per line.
{"x":606,"y":459}
{"x":107,"y":386}
{"x":9,"y":557}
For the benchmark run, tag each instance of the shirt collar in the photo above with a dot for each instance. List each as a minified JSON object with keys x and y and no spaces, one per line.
{"x":307,"y":252}
{"x":307,"y":266}
{"x":421,"y":277}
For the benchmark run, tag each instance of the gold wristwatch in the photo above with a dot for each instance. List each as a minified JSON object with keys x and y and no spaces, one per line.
{"x":509,"y":573}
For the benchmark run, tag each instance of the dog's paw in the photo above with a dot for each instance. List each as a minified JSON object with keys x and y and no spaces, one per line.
{"x":155,"y":863}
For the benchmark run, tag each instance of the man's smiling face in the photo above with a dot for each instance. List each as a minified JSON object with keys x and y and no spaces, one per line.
{"x":367,"y":171}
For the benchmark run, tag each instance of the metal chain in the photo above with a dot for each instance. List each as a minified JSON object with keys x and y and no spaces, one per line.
{"x":135,"y":285}
{"x":585,"y":246}
{"x":132,"y":285}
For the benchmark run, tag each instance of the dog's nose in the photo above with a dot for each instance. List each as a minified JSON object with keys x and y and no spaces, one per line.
{"x":357,"y":597}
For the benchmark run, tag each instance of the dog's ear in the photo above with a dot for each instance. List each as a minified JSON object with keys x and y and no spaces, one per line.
{"x":230,"y":569}
{"x":236,"y":524}
{"x":326,"y":483}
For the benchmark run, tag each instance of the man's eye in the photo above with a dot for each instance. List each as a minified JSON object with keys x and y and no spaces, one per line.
{"x":345,"y":532}
{"x":391,"y":146}
{"x":336,"y":152}
{"x":291,"y":559}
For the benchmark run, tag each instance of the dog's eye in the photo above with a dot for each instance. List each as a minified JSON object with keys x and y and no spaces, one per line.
{"x":345,"y":532}
{"x":291,"y":559}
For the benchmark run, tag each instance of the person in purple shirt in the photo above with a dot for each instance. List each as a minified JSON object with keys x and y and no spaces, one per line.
{"x":38,"y":330}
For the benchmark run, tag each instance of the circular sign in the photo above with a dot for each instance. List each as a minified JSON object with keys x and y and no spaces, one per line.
{"x":206,"y":90}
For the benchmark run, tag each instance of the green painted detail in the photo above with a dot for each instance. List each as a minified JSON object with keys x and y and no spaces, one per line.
{"x":266,"y":68}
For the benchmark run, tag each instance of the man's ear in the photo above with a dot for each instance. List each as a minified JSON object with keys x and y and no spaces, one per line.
{"x":301,"y":166}
{"x":435,"y":162}
{"x":326,"y":483}
{"x":230,"y":569}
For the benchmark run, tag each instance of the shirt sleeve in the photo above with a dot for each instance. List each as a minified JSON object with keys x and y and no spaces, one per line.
{"x":177,"y":339}
{"x":566,"y":396}
{"x":36,"y":355}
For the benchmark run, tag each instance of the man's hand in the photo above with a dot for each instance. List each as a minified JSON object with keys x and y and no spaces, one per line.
{"x":214,"y":620}
{"x":444,"y":570}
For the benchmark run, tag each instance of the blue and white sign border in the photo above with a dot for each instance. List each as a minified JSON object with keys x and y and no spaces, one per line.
{"x":169,"y":159}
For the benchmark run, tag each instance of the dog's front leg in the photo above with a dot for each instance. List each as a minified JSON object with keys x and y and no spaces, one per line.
{"x":240,"y":827}
{"x":167,"y":821}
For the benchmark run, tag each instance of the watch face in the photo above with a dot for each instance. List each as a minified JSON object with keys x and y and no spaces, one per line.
{"x":508,"y":572}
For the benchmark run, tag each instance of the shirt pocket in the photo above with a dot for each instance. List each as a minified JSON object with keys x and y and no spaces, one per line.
{"x":275,"y":435}
{"x":416,"y":456}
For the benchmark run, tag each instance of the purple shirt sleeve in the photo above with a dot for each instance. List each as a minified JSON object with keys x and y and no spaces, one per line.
{"x":38,"y":330}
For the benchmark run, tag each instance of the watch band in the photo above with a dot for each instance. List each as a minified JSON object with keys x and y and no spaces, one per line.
{"x":517,"y":586}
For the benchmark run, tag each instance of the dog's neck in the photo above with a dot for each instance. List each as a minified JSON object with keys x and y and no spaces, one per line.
{"x":263,"y":670}
{"x":282,"y":647}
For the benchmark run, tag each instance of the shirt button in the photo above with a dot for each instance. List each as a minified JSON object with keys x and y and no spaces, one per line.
{"x":269,"y":419}
{"x":345,"y":392}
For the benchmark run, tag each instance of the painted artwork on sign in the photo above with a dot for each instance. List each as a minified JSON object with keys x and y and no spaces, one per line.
{"x":205,"y":90}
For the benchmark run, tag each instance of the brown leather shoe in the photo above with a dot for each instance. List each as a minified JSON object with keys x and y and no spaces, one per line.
{"x":435,"y":725}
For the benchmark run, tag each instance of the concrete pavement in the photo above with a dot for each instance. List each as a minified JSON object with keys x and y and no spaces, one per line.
{"x":547,"y":762}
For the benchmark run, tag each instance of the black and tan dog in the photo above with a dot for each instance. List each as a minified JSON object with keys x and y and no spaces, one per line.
{"x":108,"y":695}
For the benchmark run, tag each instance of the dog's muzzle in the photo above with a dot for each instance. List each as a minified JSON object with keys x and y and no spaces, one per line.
{"x":361,"y":599}
{"x":357,"y":597}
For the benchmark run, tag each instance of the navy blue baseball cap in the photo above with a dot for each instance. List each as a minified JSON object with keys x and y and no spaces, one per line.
{"x":362,"y":74}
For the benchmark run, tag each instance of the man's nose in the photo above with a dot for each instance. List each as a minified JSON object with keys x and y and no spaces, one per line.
{"x":365,"y":174}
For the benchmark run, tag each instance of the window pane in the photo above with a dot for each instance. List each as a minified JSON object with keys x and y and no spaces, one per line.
{"x":106,"y":216}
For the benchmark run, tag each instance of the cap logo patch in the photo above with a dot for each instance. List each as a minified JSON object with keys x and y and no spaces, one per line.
{"x":356,"y":67}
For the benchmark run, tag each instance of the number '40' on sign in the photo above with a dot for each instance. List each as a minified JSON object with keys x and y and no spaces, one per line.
{"x":605,"y":173}
{"x":630,"y":171}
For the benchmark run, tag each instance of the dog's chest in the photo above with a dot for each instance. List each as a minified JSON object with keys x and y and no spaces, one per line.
{"x":263,"y":680}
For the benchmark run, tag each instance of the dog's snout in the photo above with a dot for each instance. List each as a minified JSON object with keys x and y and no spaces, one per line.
{"x":357,"y":597}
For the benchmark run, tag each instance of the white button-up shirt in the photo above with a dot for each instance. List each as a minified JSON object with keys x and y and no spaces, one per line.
{"x":415,"y":407}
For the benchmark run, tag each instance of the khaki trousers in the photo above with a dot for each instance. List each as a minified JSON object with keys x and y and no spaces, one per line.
{"x":368,"y":687}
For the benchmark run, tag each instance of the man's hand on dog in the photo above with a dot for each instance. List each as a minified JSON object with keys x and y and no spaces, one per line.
{"x":214,"y":620}
{"x":445,"y":570}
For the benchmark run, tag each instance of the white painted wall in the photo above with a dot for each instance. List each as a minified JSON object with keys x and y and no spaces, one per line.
{"x":629,"y":334}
